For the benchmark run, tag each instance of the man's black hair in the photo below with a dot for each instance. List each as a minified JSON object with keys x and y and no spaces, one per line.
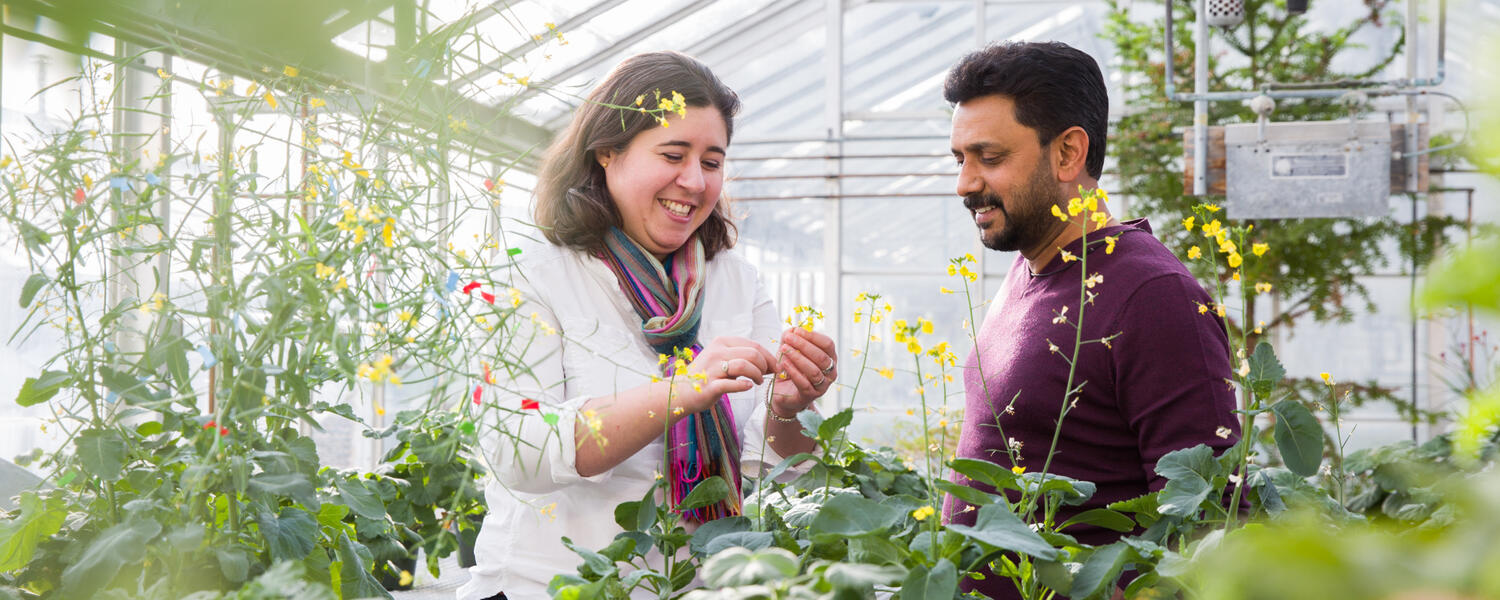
{"x":1054,"y":86}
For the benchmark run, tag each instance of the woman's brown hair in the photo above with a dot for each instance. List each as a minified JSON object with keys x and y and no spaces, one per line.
{"x":573,"y":206}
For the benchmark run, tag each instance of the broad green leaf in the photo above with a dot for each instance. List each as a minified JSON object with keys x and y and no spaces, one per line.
{"x":787,"y":463}
{"x":332,"y":514}
{"x":355,"y":580}
{"x":31,"y":287}
{"x":103,"y":556}
{"x":233,"y":563}
{"x":1471,"y":278}
{"x":289,"y":485}
{"x":940,"y":583}
{"x":290,"y":535}
{"x":755,"y":540}
{"x":706,"y":492}
{"x":1181,"y":497}
{"x":830,"y":426}
{"x":101,"y":453}
{"x":621,"y":549}
{"x":41,"y":388}
{"x":595,"y":565}
{"x":859,"y":576}
{"x":854,"y":516}
{"x":997,"y":526}
{"x":1054,"y":574}
{"x":968,"y":494}
{"x":148,"y":429}
{"x":1097,"y":576}
{"x":1299,"y":437}
{"x":1265,"y":370}
{"x":37,"y":521}
{"x":360,"y":498}
{"x":987,"y":472}
{"x":1197,"y":461}
{"x":712,"y":529}
{"x":1101,"y":517}
{"x":739,"y":566}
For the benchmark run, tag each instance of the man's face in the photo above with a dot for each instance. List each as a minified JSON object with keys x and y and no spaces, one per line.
{"x":1004,"y":176}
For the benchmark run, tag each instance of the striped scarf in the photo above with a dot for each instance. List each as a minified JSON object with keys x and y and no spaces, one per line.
{"x":703,"y":444}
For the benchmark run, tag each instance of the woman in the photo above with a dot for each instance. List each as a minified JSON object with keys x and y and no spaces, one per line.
{"x":638,"y":266}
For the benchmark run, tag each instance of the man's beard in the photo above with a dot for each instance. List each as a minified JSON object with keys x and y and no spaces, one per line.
{"x":1032,"y":223}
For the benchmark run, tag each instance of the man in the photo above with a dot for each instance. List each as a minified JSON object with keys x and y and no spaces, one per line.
{"x":1028,"y":130}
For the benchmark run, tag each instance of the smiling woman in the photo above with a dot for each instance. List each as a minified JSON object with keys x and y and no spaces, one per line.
{"x":649,"y":338}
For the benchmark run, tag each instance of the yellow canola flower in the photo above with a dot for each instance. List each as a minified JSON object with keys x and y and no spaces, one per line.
{"x":922,"y":513}
{"x":386,"y":232}
{"x":1194,"y":252}
{"x":1212,"y":228}
{"x":1109,"y":244}
{"x":1227,"y":246}
{"x":290,"y":71}
{"x":886,"y":372}
{"x":1235,"y":260}
{"x":1213,"y":208}
{"x":270,"y":100}
{"x":941,"y":290}
{"x":341,"y":285}
{"x":926,"y":326}
{"x":952,"y":268}
{"x":1075,"y":207}
{"x":359,"y":234}
{"x":315,"y":102}
{"x":1188,"y":223}
{"x":1259,"y":249}
{"x":1202,"y":309}
{"x":1262,"y":287}
{"x":1100,"y":219}
{"x":1057,"y":212}
{"x":1327,"y":379}
{"x":1219,"y":308}
{"x":913,"y":347}
{"x":1018,"y":469}
{"x":1068,"y":256}
{"x":405,"y":578}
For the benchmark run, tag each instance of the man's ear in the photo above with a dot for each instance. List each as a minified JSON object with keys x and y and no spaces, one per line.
{"x":1070,"y":153}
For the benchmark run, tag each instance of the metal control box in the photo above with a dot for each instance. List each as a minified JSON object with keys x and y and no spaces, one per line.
{"x":1308,"y":169}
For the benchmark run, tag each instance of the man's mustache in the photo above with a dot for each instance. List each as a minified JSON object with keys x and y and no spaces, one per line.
{"x":978,"y":201}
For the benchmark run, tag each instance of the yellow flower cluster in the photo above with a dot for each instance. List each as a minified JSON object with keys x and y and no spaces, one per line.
{"x":869,"y":301}
{"x":922,"y":513}
{"x":908,"y":333}
{"x":804,"y":317}
{"x":157,"y":302}
{"x":379,"y":371}
{"x":942,"y":355}
{"x":959,"y":267}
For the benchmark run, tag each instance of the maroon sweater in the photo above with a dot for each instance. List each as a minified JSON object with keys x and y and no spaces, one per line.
{"x":1160,"y":386}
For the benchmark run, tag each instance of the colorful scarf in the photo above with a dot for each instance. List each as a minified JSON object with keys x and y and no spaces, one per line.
{"x":704,"y":444}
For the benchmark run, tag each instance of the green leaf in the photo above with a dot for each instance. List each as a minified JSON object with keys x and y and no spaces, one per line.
{"x":968,"y":494}
{"x":1054,"y":574}
{"x":1101,"y":517}
{"x":738,"y":566}
{"x":288,"y":485}
{"x":360,"y":498}
{"x":103,"y":556}
{"x":997,"y":526}
{"x":1097,"y":576}
{"x":753,"y":540}
{"x":331,"y":515}
{"x":233,"y":563}
{"x":1181,"y":497}
{"x":1299,"y":437}
{"x":1197,"y":461}
{"x":940,"y":583}
{"x":31,"y":287}
{"x":38,"y":520}
{"x":831,"y":426}
{"x":986,"y":472}
{"x":787,"y":463}
{"x":148,"y":429}
{"x":34,"y":237}
{"x":41,"y":388}
{"x":706,"y":492}
{"x":290,"y":535}
{"x":1470,"y":278}
{"x":712,"y":529}
{"x":863,"y":577}
{"x":101,"y":453}
{"x":853,"y":516}
{"x":1265,"y":370}
{"x":355,"y":580}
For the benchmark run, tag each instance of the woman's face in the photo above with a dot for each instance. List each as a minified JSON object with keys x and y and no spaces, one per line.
{"x":666,"y":182}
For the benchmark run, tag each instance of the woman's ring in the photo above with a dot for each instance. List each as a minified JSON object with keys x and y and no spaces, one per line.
{"x":821,"y":380}
{"x":724,"y":367}
{"x":829,"y":369}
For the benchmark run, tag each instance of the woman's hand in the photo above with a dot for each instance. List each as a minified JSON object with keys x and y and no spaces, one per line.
{"x":809,"y":363}
{"x":726,"y":365}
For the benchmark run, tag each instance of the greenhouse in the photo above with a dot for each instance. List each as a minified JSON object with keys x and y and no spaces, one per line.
{"x":769,"y":299}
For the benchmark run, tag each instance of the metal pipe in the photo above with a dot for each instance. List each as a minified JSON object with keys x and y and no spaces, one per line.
{"x":1200,"y":107}
{"x":1326,"y":89}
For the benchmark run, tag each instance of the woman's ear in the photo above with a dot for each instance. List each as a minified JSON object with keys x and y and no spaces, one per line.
{"x":1071,"y":153}
{"x":604,"y":156}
